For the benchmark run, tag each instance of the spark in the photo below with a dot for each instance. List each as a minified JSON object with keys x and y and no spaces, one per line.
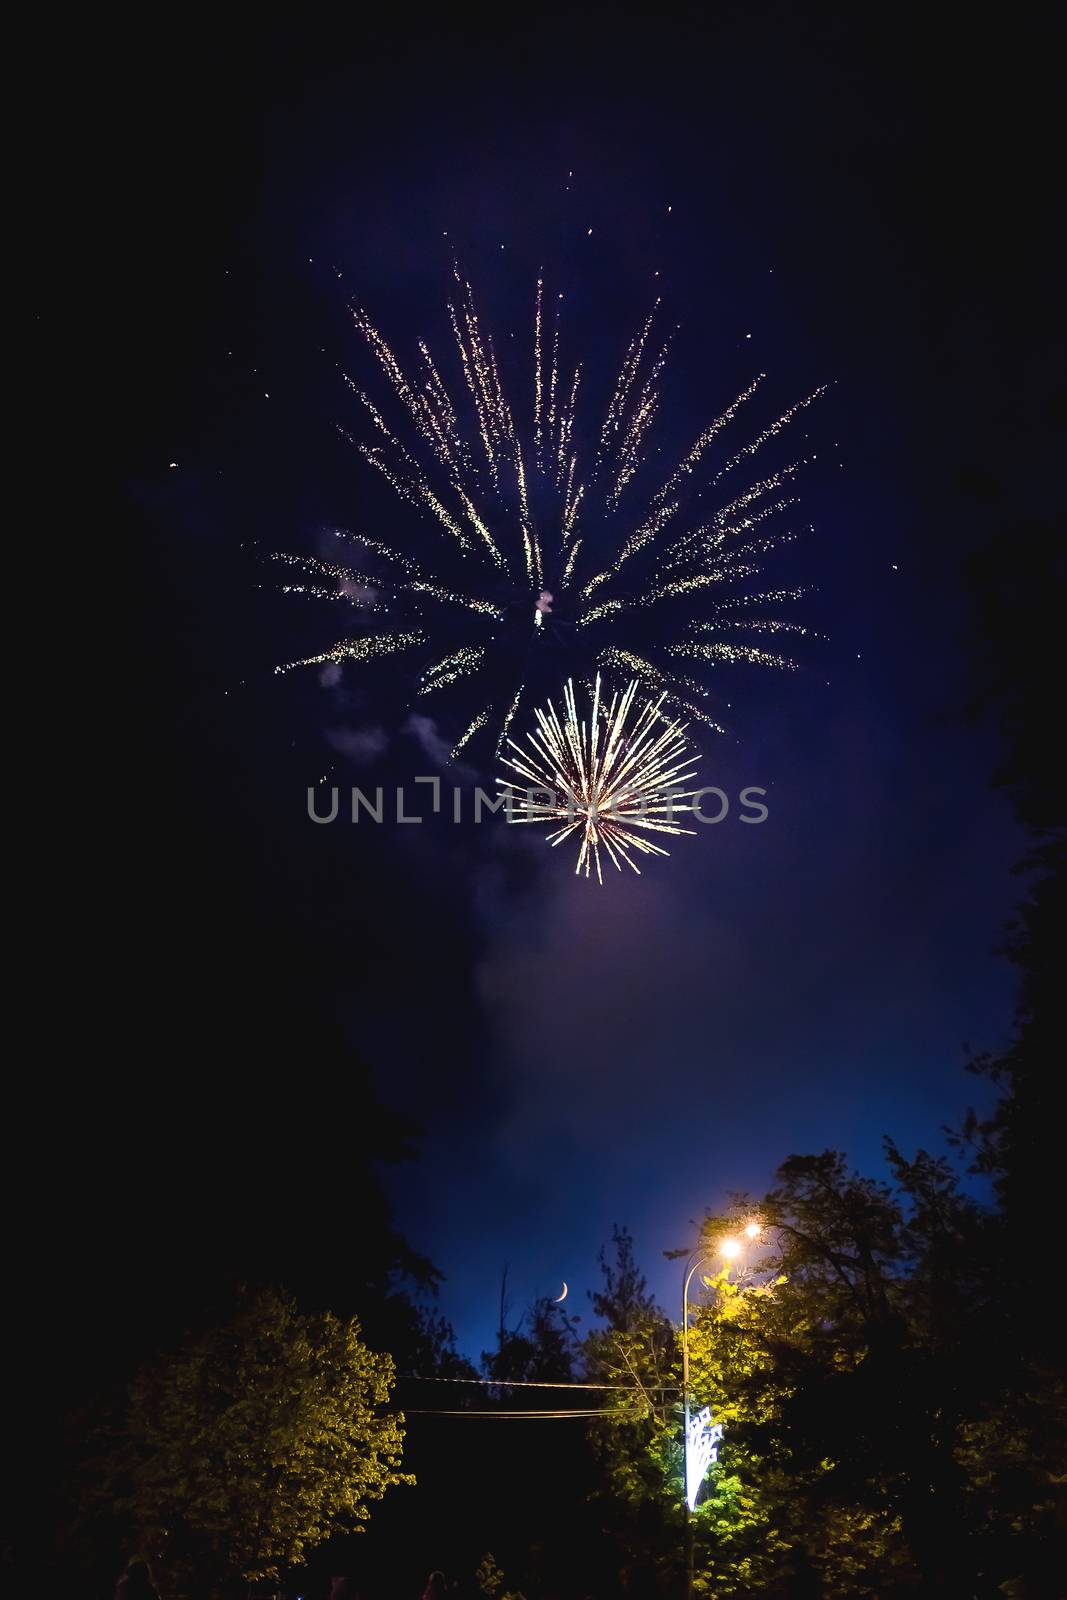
{"x":720,"y":651}
{"x":509,"y":718}
{"x":348,"y":579}
{"x":537,"y":365}
{"x":604,"y":609}
{"x":454,"y":666}
{"x":637,"y":541}
{"x":472,"y":602}
{"x":771,"y":432}
{"x":614,"y":659}
{"x":365,"y":649}
{"x":572,"y":557}
{"x":479,"y":722}
{"x":608,"y":781}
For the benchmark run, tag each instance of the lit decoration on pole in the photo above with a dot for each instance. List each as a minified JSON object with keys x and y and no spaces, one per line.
{"x":701,"y":1449}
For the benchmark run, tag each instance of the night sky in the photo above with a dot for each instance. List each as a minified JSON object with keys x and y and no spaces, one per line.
{"x":852,"y":199}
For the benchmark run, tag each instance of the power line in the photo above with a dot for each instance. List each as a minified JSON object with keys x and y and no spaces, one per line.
{"x":531,"y":1383}
{"x":536,"y":1416}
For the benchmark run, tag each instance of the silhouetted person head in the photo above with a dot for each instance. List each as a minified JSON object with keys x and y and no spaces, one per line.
{"x":135,"y":1584}
{"x":435,"y":1587}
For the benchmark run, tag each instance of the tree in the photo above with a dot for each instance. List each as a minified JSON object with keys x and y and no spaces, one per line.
{"x":541,"y":1348}
{"x":636,"y":1445}
{"x":252,"y":1443}
{"x":490,"y":1580}
{"x":1019,"y":584}
{"x":881,"y":1437}
{"x":532,"y":1504}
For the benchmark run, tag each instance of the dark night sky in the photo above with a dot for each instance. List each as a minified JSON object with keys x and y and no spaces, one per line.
{"x":868,"y":206}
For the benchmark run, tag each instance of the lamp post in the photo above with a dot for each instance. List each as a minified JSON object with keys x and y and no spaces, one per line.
{"x":729,"y":1249}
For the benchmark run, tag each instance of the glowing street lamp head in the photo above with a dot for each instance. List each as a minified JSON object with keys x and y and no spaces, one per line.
{"x":731,"y":1248}
{"x":752,"y":1230}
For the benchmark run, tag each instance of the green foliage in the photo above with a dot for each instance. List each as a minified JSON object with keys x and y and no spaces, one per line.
{"x":253,"y":1443}
{"x":490,"y":1580}
{"x":879,"y":1436}
{"x":636,"y":1444}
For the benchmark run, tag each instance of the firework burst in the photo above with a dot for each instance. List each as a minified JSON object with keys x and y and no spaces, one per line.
{"x":608,"y":781}
{"x":550,"y":559}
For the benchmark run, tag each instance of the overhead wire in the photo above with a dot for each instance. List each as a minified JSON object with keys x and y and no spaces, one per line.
{"x":537,"y":1383}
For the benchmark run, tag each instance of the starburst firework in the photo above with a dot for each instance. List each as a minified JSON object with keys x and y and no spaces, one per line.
{"x":609,"y":782}
{"x":544,"y":549}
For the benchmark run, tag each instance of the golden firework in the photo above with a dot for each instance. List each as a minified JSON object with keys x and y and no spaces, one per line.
{"x":544,"y":513}
{"x":608,"y":779}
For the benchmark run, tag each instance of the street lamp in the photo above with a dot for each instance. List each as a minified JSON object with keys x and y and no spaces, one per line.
{"x":701,"y":1436}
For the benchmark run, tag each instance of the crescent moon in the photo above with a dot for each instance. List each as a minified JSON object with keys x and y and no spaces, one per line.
{"x":562,"y":1296}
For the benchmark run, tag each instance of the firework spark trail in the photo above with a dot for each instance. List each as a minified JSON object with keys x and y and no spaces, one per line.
{"x":417,"y":495}
{"x":623,"y":385}
{"x":509,"y":718}
{"x":531,"y":517}
{"x":507,"y":424}
{"x":553,"y":379}
{"x":459,"y":664}
{"x":719,"y":650}
{"x":571,"y":559}
{"x":689,"y":462}
{"x":566,"y":429}
{"x":604,"y":780}
{"x":348,"y":576}
{"x":444,"y":412}
{"x":472,"y":728}
{"x":392,"y":370}
{"x":770,"y":433}
{"x":472,"y":376}
{"x":314,"y":592}
{"x":365,"y":649}
{"x":572,"y":503}
{"x":644,"y":412}
{"x":537,"y":366}
{"x":621,"y":661}
{"x":480,"y":528}
{"x":637,"y":541}
{"x":530,"y":542}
